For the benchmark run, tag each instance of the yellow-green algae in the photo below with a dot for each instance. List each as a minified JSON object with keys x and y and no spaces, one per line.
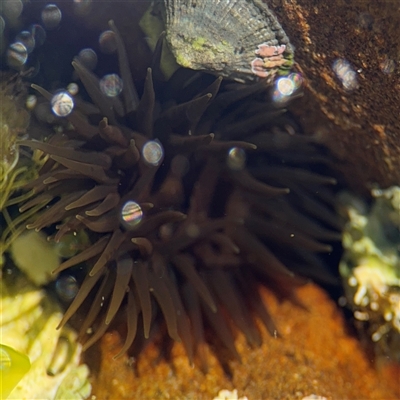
{"x":13,"y":366}
{"x":28,"y":322}
{"x":15,"y":171}
{"x":370,"y":267}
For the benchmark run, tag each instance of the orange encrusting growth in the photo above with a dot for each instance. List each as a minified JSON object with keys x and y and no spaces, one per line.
{"x":315,"y":355}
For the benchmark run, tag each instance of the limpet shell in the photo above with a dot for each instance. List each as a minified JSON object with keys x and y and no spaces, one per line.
{"x":238,"y":39}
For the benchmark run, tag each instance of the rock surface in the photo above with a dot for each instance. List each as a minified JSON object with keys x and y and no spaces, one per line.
{"x":315,"y":355}
{"x":361,"y":123}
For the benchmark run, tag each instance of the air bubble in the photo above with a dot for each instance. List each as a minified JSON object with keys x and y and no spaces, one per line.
{"x":62,"y":104}
{"x":88,"y":58}
{"x":38,"y":33}
{"x":286,"y":86}
{"x":82,"y":7}
{"x":387,"y":66}
{"x":346,"y":74}
{"x":51,"y":16}
{"x":73,"y":89}
{"x":111,"y":85}
{"x":236,"y":159}
{"x":31,"y":102}
{"x":107,"y":42}
{"x":26,"y":38}
{"x":153,"y":152}
{"x":67,"y":287}
{"x":17,"y":55}
{"x":12,"y":9}
{"x":131,"y":214}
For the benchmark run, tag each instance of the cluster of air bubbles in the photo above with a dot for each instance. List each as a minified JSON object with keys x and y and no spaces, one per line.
{"x":26,"y":38}
{"x":111,"y":85}
{"x":346,"y":74}
{"x":88,"y":58}
{"x":67,"y":288}
{"x":62,"y":104}
{"x":153,"y":152}
{"x":51,"y":16}
{"x":286,"y":86}
{"x":236,"y":159}
{"x":25,"y":42}
{"x":131,"y":214}
{"x":107,"y":42}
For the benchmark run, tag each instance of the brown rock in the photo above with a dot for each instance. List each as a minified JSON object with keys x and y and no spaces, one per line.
{"x":315,"y":355}
{"x":362,"y":125}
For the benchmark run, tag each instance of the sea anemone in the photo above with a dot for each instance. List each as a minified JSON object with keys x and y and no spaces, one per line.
{"x":194,"y":194}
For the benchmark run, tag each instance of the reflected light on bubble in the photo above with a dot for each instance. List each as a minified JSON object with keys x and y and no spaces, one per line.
{"x":236,"y":159}
{"x":17,"y":55}
{"x":12,"y":9}
{"x":286,"y":86}
{"x":345,"y":74}
{"x":31,"y":102}
{"x":153,"y":152}
{"x":62,"y":104}
{"x":131,"y":214}
{"x":107,"y":42}
{"x":88,"y":58}
{"x":111,"y":85}
{"x":73,"y":89}
{"x":67,"y":288}
{"x":38,"y":33}
{"x":51,"y":16}
{"x":27,"y":39}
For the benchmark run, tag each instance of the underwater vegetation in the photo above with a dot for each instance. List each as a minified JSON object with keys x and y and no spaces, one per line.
{"x":13,"y":366}
{"x":193,"y":193}
{"x":37,"y":360}
{"x":370,"y":267}
{"x":15,"y":169}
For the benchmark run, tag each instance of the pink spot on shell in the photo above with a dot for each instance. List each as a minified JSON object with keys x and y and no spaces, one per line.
{"x":265,"y":50}
{"x":257,"y":67}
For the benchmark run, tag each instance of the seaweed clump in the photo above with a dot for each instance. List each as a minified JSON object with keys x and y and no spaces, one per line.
{"x":370,"y":268}
{"x":15,"y":169}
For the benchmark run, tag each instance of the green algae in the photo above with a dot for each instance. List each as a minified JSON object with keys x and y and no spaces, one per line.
{"x":370,"y":267}
{"x":28,"y":324}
